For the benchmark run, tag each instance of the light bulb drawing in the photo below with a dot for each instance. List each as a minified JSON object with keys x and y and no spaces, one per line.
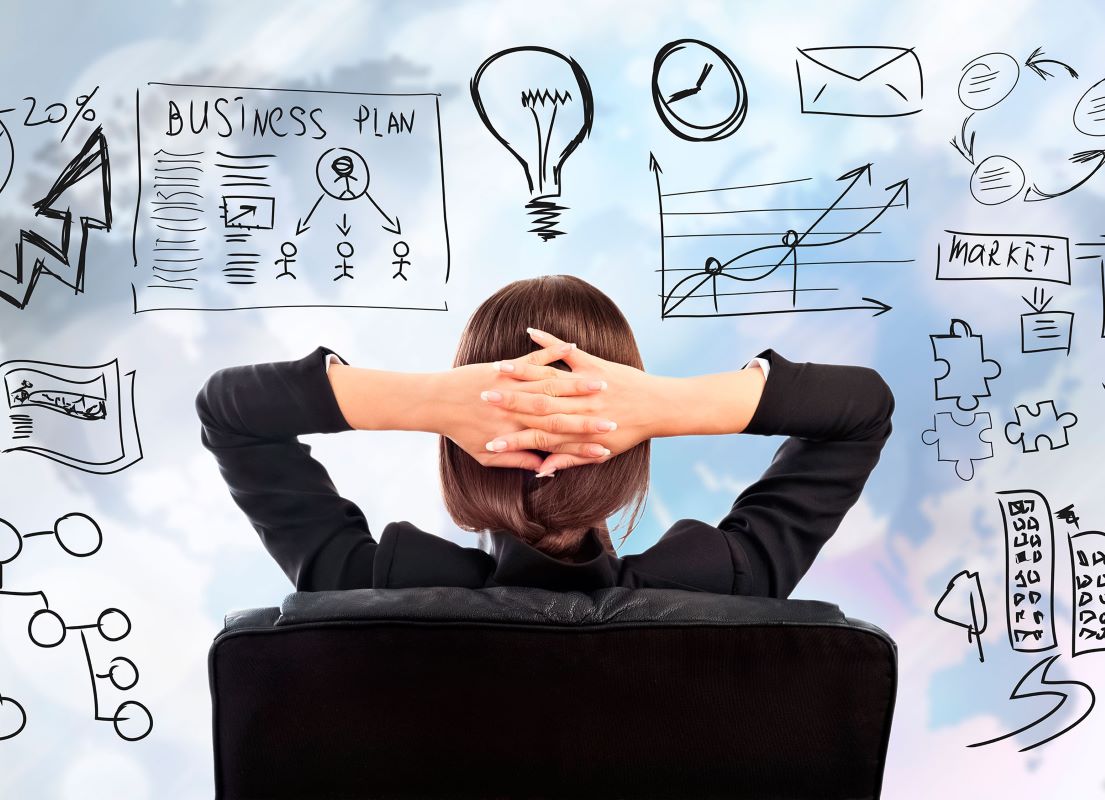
{"x":538,"y":104}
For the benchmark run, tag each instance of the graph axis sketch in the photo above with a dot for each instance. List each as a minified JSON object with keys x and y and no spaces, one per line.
{"x":776,"y":247}
{"x":255,"y":198}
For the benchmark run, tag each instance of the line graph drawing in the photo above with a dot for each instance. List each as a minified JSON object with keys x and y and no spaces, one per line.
{"x":754,"y":241}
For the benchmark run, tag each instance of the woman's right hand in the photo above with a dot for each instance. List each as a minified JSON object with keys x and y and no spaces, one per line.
{"x":633,"y":399}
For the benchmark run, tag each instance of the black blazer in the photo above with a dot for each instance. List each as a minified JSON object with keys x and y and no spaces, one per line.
{"x":837,"y":419}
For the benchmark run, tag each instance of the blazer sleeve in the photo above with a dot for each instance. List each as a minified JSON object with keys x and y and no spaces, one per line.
{"x":837,"y":419}
{"x":251,"y":417}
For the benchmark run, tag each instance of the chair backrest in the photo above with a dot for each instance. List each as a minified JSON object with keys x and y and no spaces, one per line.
{"x":518,"y":692}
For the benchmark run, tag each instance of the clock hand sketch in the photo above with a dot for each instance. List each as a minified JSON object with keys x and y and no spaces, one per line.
{"x":694,"y":89}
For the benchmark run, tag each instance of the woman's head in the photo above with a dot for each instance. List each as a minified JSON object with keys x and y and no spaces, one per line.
{"x":552,"y":514}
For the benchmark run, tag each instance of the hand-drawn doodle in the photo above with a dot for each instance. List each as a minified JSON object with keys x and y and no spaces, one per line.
{"x":82,"y":417}
{"x":1081,"y":696}
{"x":226,"y":176}
{"x":960,"y":442}
{"x":1089,"y":112}
{"x":1095,"y":157}
{"x":1029,"y":570}
{"x":1003,"y":256}
{"x":1087,"y":564}
{"x":1042,"y":427}
{"x":964,"y":592}
{"x":1067,"y":514}
{"x":1043,"y":330}
{"x":538,"y":104}
{"x":13,"y":718}
{"x":859,"y":81}
{"x":698,"y":91}
{"x":1093,"y":252}
{"x":780,"y":237}
{"x":987,"y":80}
{"x":72,"y":201}
{"x":967,"y":372}
{"x":997,"y":179}
{"x":80,"y":536}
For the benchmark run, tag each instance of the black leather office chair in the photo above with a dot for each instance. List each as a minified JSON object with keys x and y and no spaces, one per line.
{"x":517,"y":692}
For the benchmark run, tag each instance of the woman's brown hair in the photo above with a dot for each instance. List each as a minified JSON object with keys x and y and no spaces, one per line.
{"x":553,"y":513}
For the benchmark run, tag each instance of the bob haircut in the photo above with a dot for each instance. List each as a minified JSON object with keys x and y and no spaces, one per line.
{"x":552,"y":514}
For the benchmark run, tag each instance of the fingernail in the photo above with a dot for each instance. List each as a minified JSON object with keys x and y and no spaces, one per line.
{"x":496,"y":445}
{"x":607,"y":425}
{"x":504,"y":366}
{"x":566,"y":348}
{"x":599,"y":450}
{"x":491,"y":396}
{"x":532,"y":331}
{"x":546,"y":474}
{"x":596,"y":384}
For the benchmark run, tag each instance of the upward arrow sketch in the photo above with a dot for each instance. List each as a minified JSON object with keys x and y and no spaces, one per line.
{"x":63,"y":259}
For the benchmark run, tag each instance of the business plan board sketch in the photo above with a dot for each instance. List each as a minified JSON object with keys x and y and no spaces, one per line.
{"x":260,"y":198}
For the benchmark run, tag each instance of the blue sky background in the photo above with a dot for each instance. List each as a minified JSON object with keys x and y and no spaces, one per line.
{"x":177,"y":554}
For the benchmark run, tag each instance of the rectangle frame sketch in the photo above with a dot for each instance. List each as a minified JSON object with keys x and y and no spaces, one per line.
{"x":266,"y":198}
{"x":82,"y":417}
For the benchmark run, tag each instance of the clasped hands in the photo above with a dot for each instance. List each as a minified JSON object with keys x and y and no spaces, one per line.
{"x":509,"y":413}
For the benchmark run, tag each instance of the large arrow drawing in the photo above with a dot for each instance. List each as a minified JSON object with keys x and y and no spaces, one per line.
{"x":1080,"y":695}
{"x":788,"y":248}
{"x":1032,"y":194}
{"x":57,"y":260}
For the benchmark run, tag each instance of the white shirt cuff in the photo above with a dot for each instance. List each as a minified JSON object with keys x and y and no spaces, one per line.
{"x":331,"y":358}
{"x":762,"y":363}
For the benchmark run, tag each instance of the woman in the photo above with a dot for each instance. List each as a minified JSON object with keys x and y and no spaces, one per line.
{"x":529,"y":454}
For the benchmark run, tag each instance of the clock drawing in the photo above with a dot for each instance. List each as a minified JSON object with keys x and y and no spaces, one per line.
{"x":698,"y":91}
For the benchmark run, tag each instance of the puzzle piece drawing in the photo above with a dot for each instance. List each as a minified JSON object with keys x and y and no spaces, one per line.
{"x":967,"y":368}
{"x":960,"y":442}
{"x":1042,"y":425}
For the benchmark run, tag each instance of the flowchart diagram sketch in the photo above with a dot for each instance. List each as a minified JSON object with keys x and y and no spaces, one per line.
{"x":260,"y":198}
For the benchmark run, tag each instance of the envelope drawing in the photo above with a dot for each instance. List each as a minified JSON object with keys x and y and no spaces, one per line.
{"x":859,"y":81}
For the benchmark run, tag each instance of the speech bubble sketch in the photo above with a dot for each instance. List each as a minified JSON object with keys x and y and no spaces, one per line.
{"x":1089,"y":112}
{"x":80,"y":536}
{"x":987,"y":80}
{"x":263,"y":198}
